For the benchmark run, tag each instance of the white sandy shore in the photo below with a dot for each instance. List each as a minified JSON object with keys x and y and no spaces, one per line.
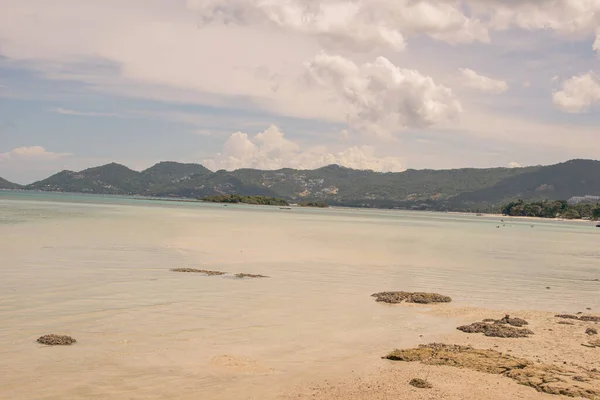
{"x":553,"y":344}
{"x":510,"y":217}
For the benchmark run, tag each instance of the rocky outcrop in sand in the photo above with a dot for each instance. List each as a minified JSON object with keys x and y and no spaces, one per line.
{"x":542,"y":377}
{"x":56,"y":340}
{"x":506,"y":327}
{"x":199,"y":271}
{"x":586,"y":318}
{"x":420,"y":383}
{"x":242,"y":276}
{"x":408,"y":297}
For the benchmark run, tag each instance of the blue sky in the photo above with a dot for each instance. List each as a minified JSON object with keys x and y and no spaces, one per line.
{"x":232,"y":83}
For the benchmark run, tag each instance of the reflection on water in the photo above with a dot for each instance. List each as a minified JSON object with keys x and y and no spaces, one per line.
{"x":98,"y":269}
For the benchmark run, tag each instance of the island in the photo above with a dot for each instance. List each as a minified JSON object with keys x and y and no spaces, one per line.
{"x":318,"y":204}
{"x":552,"y":209}
{"x":237,"y":199}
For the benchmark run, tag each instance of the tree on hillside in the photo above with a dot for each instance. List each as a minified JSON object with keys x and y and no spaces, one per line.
{"x":596,"y":213}
{"x":571,"y":213}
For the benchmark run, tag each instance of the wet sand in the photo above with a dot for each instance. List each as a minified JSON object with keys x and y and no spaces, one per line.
{"x":554,"y":344}
{"x":365,"y":376}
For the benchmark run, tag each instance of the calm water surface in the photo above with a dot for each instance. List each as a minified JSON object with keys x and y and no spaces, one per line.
{"x":97,"y":268}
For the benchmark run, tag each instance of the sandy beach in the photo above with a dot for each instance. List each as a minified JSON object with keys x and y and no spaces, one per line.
{"x":553,"y":343}
{"x":506,"y":218}
{"x":108,"y":275}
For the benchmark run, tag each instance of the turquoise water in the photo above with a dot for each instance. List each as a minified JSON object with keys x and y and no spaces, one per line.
{"x":97,"y":268}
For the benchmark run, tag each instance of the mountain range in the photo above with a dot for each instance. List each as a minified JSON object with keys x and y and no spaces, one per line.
{"x":4,"y":184}
{"x":467,"y":189}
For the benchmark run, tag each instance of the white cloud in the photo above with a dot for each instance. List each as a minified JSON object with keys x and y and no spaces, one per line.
{"x":256,"y":47}
{"x":596,"y":45}
{"x":271,"y":150}
{"x":483,"y":83}
{"x":32,"y":153}
{"x":381,"y":98}
{"x":356,"y":25}
{"x":566,"y":17}
{"x":66,"y":111}
{"x":249,"y":54}
{"x":514,"y":164}
{"x":578,"y":93}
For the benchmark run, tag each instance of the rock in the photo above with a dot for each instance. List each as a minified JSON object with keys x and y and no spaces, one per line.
{"x":565,"y":323}
{"x":593,"y":343}
{"x":199,"y":271}
{"x":417,"y":297}
{"x":591,"y":331}
{"x":586,"y":318}
{"x":499,"y":328}
{"x":566,"y":316}
{"x":56,"y":340}
{"x":250,"y":276}
{"x":589,"y":318}
{"x":420,"y":383}
{"x":544,"y":378}
{"x":496,"y":330}
{"x":512,"y":321}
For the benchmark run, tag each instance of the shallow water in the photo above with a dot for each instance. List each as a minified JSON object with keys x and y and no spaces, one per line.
{"x":97,"y":268}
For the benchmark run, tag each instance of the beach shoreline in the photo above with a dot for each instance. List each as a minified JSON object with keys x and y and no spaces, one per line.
{"x":556,"y":342}
{"x":524,"y":218}
{"x":103,"y":275}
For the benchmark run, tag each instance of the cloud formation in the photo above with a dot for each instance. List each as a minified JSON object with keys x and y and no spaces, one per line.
{"x":356,"y":25}
{"x":272,"y":150}
{"x":66,"y":111}
{"x":32,"y":153}
{"x":115,"y":51}
{"x":578,"y":93}
{"x":260,"y":51}
{"x":482,"y":83}
{"x":381,"y":98}
{"x":566,"y":17}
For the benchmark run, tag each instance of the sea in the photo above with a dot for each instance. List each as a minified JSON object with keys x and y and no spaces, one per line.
{"x":98,"y":268}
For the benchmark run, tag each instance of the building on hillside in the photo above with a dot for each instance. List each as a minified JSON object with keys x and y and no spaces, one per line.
{"x":587,"y":199}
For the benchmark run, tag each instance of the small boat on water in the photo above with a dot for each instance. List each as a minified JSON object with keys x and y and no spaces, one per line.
{"x":285,"y":208}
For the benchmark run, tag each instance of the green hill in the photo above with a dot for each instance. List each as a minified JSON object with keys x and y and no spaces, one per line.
{"x":168,"y":178}
{"x":108,"y":179}
{"x":458,"y":189}
{"x":555,"y":182}
{"x":4,"y":184}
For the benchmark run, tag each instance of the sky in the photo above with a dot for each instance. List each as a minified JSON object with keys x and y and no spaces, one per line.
{"x":386,"y":85}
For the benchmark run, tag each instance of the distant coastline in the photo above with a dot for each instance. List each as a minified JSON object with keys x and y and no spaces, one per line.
{"x":500,"y":218}
{"x":526,"y":218}
{"x":477,"y":190}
